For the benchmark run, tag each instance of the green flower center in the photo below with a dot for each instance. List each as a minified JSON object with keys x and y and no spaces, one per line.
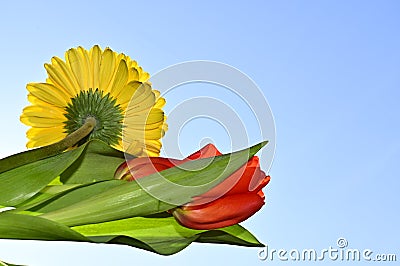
{"x":93,"y":103}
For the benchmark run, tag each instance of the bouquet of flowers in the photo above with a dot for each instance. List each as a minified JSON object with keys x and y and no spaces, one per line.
{"x":93,"y":174}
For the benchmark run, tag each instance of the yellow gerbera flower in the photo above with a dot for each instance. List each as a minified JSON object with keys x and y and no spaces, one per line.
{"x":107,"y":86}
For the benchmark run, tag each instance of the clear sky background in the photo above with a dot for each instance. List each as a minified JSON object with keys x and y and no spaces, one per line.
{"x":330,"y":71}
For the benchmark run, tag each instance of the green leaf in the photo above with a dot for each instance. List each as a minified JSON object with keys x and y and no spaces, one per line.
{"x":94,"y":161}
{"x":21,"y":183}
{"x":234,"y":235}
{"x":155,"y":193}
{"x":19,"y":226}
{"x":74,"y":195}
{"x":163,"y":235}
{"x":98,"y":162}
{"x":46,"y":194}
{"x":27,"y":157}
{"x":104,"y":209}
{"x":2,"y":263}
{"x":124,"y":201}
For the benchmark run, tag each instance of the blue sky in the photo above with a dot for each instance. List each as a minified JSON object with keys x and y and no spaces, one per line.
{"x":329,"y":70}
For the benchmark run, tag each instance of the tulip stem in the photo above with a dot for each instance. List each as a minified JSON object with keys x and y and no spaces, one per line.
{"x":30,"y":156}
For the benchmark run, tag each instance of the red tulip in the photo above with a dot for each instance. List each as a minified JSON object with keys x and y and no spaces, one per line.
{"x":232,"y":201}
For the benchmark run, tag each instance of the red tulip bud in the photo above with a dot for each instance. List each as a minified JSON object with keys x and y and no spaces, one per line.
{"x":232,"y":201}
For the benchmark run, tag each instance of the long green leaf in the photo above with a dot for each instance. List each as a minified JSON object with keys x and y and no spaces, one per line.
{"x":2,"y":263}
{"x":124,"y":201}
{"x":46,"y":194}
{"x":97,"y":163}
{"x":19,"y":226}
{"x":21,"y":183}
{"x":163,"y":235}
{"x":74,"y":195}
{"x":234,"y":235}
{"x":134,"y":199}
{"x":94,"y":161}
{"x":81,"y":172}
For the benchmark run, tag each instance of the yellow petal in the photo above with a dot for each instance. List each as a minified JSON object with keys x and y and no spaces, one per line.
{"x":151,"y":119}
{"x":143,"y":76}
{"x":48,"y":93}
{"x":86,"y":59}
{"x":42,"y":117}
{"x":120,"y":79}
{"x":95,"y":57}
{"x":133,"y":73}
{"x":126,"y":94}
{"x":153,"y":147}
{"x":78,"y":64}
{"x":143,"y":106}
{"x":132,"y":63}
{"x":141,"y":132}
{"x":107,"y":69}
{"x":36,"y":101}
{"x":165,"y":125}
{"x":60,"y":76}
{"x":133,"y":147}
{"x":142,"y":95}
{"x":36,"y":121}
{"x":119,"y":146}
{"x":154,"y":144}
{"x":43,"y":111}
{"x":160,"y":101}
{"x":33,"y":132}
{"x":44,"y":140}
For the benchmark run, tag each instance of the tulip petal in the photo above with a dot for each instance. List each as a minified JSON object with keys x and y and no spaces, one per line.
{"x":233,"y":200}
{"x":219,"y":213}
{"x":206,"y":152}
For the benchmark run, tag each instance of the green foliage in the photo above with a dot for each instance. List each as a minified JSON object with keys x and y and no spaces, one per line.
{"x":97,"y":162}
{"x":23,"y":182}
{"x":89,"y":205}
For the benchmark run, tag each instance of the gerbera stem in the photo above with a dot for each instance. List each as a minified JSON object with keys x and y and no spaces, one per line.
{"x":23,"y":158}
{"x":74,"y":137}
